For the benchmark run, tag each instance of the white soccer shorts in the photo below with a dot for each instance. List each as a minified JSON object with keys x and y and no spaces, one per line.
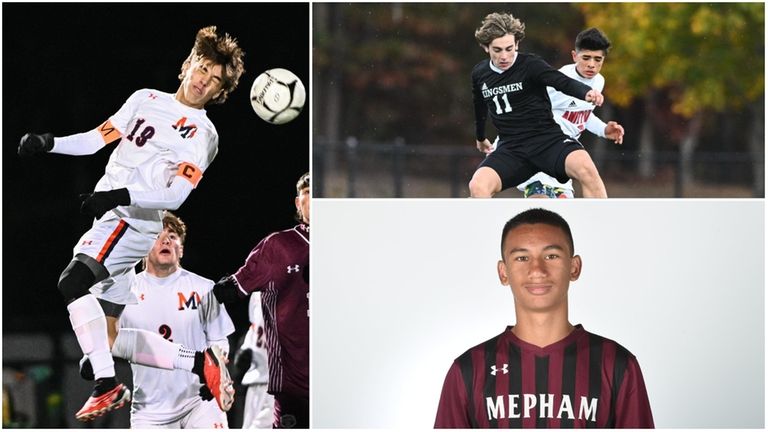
{"x":119,"y":246}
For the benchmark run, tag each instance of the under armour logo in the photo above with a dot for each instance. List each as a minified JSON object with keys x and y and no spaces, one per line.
{"x":293,"y":268}
{"x":152,"y":96}
{"x":87,"y":242}
{"x":141,"y":296}
{"x":503,"y":369}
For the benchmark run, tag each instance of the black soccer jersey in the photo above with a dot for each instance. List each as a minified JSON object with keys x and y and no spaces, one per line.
{"x":517,"y":98}
{"x":583,"y":380}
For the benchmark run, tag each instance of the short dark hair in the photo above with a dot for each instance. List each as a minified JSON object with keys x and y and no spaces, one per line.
{"x":537,"y":216}
{"x":592,"y":39}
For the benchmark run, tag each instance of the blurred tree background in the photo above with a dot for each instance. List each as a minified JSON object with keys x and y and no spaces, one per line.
{"x":685,"y":79}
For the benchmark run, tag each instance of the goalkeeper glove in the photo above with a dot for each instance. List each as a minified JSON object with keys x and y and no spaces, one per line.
{"x":32,"y":144}
{"x":95,"y":204}
{"x":226,"y":290}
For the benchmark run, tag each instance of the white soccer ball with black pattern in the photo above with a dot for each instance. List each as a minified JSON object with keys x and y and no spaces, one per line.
{"x":277,"y":96}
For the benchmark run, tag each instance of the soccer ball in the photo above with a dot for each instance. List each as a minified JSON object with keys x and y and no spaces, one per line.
{"x":278,"y":96}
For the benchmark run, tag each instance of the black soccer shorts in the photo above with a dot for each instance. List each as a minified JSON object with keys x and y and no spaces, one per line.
{"x":516,"y":163}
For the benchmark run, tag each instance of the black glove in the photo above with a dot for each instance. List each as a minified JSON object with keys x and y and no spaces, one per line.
{"x":226,"y":290}
{"x":97,"y":203}
{"x":242,"y":364}
{"x":205,"y":393}
{"x":243,"y":359}
{"x":31,"y":144}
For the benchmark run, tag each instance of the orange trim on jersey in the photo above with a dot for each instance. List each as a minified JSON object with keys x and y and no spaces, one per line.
{"x":113,"y":238}
{"x":108,"y":132}
{"x":190,"y":172}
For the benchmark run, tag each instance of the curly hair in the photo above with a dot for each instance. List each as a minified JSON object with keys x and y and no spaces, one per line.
{"x":499,"y":24}
{"x":221,"y":50}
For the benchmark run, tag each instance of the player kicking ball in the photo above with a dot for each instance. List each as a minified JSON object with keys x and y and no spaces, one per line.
{"x":165,"y":143}
{"x":512,"y":87}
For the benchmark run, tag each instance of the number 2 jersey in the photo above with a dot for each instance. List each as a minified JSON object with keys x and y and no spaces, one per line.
{"x":161,"y":139}
{"x":279,"y":267}
{"x":517,"y":98}
{"x":181,"y":308}
{"x":581,"y":381}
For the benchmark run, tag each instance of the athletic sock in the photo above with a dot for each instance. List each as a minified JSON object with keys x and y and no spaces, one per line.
{"x":103,"y":385}
{"x":90,"y":326}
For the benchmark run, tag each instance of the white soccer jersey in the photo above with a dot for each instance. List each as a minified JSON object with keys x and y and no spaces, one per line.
{"x":573,"y":114}
{"x":182,"y":308}
{"x":254,"y":340}
{"x":161,"y":138}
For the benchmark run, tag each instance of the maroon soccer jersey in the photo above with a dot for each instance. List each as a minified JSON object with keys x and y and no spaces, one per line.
{"x":584,"y":380}
{"x":279,"y":267}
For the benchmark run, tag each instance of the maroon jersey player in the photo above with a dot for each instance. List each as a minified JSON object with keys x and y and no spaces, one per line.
{"x":543,"y":372}
{"x":279,"y":267}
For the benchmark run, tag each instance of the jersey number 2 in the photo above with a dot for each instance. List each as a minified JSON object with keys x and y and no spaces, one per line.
{"x":507,"y":107}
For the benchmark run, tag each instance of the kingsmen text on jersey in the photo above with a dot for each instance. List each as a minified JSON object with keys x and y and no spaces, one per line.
{"x":584,"y":380}
{"x":181,"y":308}
{"x":573,"y":114}
{"x":161,"y":138}
{"x":517,"y":98}
{"x":279,"y":267}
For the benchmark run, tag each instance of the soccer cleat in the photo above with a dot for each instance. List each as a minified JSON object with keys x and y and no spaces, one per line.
{"x":217,"y":377}
{"x":96,"y":406}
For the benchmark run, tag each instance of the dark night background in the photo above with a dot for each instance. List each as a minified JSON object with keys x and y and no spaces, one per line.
{"x":67,"y":68}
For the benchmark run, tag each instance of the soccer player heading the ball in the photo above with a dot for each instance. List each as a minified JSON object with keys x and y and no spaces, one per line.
{"x":512,"y":86}
{"x":543,"y":372}
{"x":165,"y":143}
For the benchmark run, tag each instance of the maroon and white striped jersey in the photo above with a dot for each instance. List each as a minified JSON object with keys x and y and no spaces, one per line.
{"x":279,"y":267}
{"x":581,"y":381}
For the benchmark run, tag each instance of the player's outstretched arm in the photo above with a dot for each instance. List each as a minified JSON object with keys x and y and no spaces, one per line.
{"x":32,"y":144}
{"x":85,"y":143}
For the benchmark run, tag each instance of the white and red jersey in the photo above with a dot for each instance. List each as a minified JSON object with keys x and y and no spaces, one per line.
{"x":573,"y":114}
{"x":161,"y":138}
{"x":181,"y":308}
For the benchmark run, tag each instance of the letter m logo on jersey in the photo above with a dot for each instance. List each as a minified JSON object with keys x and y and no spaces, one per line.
{"x":184,"y":130}
{"x":189,"y":303}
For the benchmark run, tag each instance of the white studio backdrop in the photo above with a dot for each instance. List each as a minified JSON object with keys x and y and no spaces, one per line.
{"x":402,"y":287}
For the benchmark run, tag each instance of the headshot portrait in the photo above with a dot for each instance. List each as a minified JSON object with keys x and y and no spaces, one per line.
{"x":664,"y":327}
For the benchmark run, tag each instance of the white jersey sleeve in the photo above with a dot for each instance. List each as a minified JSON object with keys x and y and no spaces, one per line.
{"x":571,"y":113}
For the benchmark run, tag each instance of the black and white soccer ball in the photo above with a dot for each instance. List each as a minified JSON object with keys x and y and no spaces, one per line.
{"x":277,"y":96}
